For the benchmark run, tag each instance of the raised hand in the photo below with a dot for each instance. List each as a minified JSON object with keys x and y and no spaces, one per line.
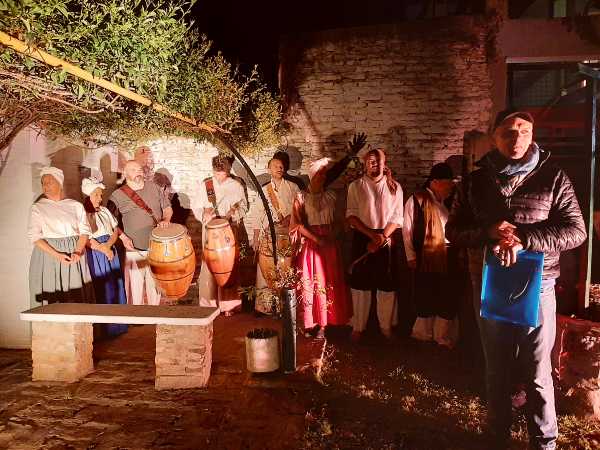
{"x":358,"y":141}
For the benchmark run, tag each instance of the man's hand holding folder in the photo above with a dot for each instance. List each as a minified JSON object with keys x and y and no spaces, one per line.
{"x":508,"y":245}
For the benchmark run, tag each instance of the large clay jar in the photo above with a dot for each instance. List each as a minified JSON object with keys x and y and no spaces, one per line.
{"x":172,"y":260}
{"x":265,"y":255}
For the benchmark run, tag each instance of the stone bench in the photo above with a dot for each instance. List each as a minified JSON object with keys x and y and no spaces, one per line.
{"x":62,"y":340}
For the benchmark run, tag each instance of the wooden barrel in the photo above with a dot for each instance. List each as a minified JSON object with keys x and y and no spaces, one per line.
{"x":285,"y":253}
{"x":221,"y":251}
{"x":172,"y":260}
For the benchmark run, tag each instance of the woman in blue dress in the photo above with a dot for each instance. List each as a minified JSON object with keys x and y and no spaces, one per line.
{"x":102,"y":258}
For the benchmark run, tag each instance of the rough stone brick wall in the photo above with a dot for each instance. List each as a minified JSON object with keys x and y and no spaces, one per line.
{"x":414,"y":88}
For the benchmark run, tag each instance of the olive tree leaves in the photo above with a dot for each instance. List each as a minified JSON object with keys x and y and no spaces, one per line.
{"x":147,"y":46}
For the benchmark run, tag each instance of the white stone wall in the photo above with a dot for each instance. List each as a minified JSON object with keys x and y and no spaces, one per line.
{"x":17,"y":192}
{"x":187,"y":163}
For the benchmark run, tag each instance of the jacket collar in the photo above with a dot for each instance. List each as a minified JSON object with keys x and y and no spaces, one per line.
{"x":485,"y":162}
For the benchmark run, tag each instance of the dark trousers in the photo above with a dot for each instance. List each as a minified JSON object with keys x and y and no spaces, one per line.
{"x":437,"y":294}
{"x":503,"y":344}
{"x":381,"y":270}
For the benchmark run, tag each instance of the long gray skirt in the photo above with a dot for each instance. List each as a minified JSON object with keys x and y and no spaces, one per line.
{"x":54,"y":281}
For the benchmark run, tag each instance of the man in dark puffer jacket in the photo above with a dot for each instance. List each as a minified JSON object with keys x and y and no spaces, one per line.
{"x":518,"y":200}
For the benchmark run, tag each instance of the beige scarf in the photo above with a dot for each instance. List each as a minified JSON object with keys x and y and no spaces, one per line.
{"x":433,"y":254}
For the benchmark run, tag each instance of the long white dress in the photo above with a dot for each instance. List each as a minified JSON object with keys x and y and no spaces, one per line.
{"x":59,"y":223}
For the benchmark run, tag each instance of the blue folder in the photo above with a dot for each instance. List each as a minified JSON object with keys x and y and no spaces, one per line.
{"x":512,"y":294}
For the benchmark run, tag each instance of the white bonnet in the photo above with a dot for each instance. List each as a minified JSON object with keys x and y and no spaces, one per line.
{"x":89,"y":185}
{"x":55,"y":172}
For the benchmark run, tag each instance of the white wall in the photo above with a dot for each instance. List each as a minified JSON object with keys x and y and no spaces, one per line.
{"x":18,"y":189}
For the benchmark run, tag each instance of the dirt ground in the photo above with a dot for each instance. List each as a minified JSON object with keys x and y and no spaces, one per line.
{"x":412,"y":395}
{"x":375,"y":395}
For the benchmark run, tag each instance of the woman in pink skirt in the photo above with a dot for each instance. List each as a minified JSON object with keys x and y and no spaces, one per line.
{"x":324,"y":297}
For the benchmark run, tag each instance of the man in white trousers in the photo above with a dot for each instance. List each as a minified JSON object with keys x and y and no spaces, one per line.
{"x":375,"y":213}
{"x":140,"y":206}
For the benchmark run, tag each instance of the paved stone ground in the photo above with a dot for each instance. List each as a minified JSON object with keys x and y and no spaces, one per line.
{"x":117,"y":407}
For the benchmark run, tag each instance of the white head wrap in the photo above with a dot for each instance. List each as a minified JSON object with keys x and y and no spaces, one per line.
{"x":55,"y":172}
{"x":365,"y":151}
{"x":89,"y":185}
{"x":317,"y":165}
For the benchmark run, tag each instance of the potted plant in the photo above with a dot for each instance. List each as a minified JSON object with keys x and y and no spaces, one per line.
{"x":286,"y":281}
{"x":262,"y":350}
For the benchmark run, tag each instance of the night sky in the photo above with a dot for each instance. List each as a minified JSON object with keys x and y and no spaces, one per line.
{"x":248,"y":31}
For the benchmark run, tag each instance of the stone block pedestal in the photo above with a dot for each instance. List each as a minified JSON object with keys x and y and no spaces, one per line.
{"x":576,"y":359}
{"x":183,"y":356}
{"x":61,"y":351}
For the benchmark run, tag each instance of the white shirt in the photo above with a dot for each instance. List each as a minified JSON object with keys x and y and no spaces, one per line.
{"x":285,"y":194}
{"x":409,"y":219}
{"x":50,"y":219}
{"x":228,"y":194}
{"x":106,"y":223}
{"x":319,"y":208}
{"x":374,"y":204}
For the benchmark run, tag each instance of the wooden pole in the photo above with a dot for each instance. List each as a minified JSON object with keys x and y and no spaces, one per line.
{"x":592,"y":78}
{"x":225,"y":142}
{"x":46,"y":58}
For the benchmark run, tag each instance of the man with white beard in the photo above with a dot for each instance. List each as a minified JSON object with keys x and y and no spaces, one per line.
{"x":140,"y":205}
